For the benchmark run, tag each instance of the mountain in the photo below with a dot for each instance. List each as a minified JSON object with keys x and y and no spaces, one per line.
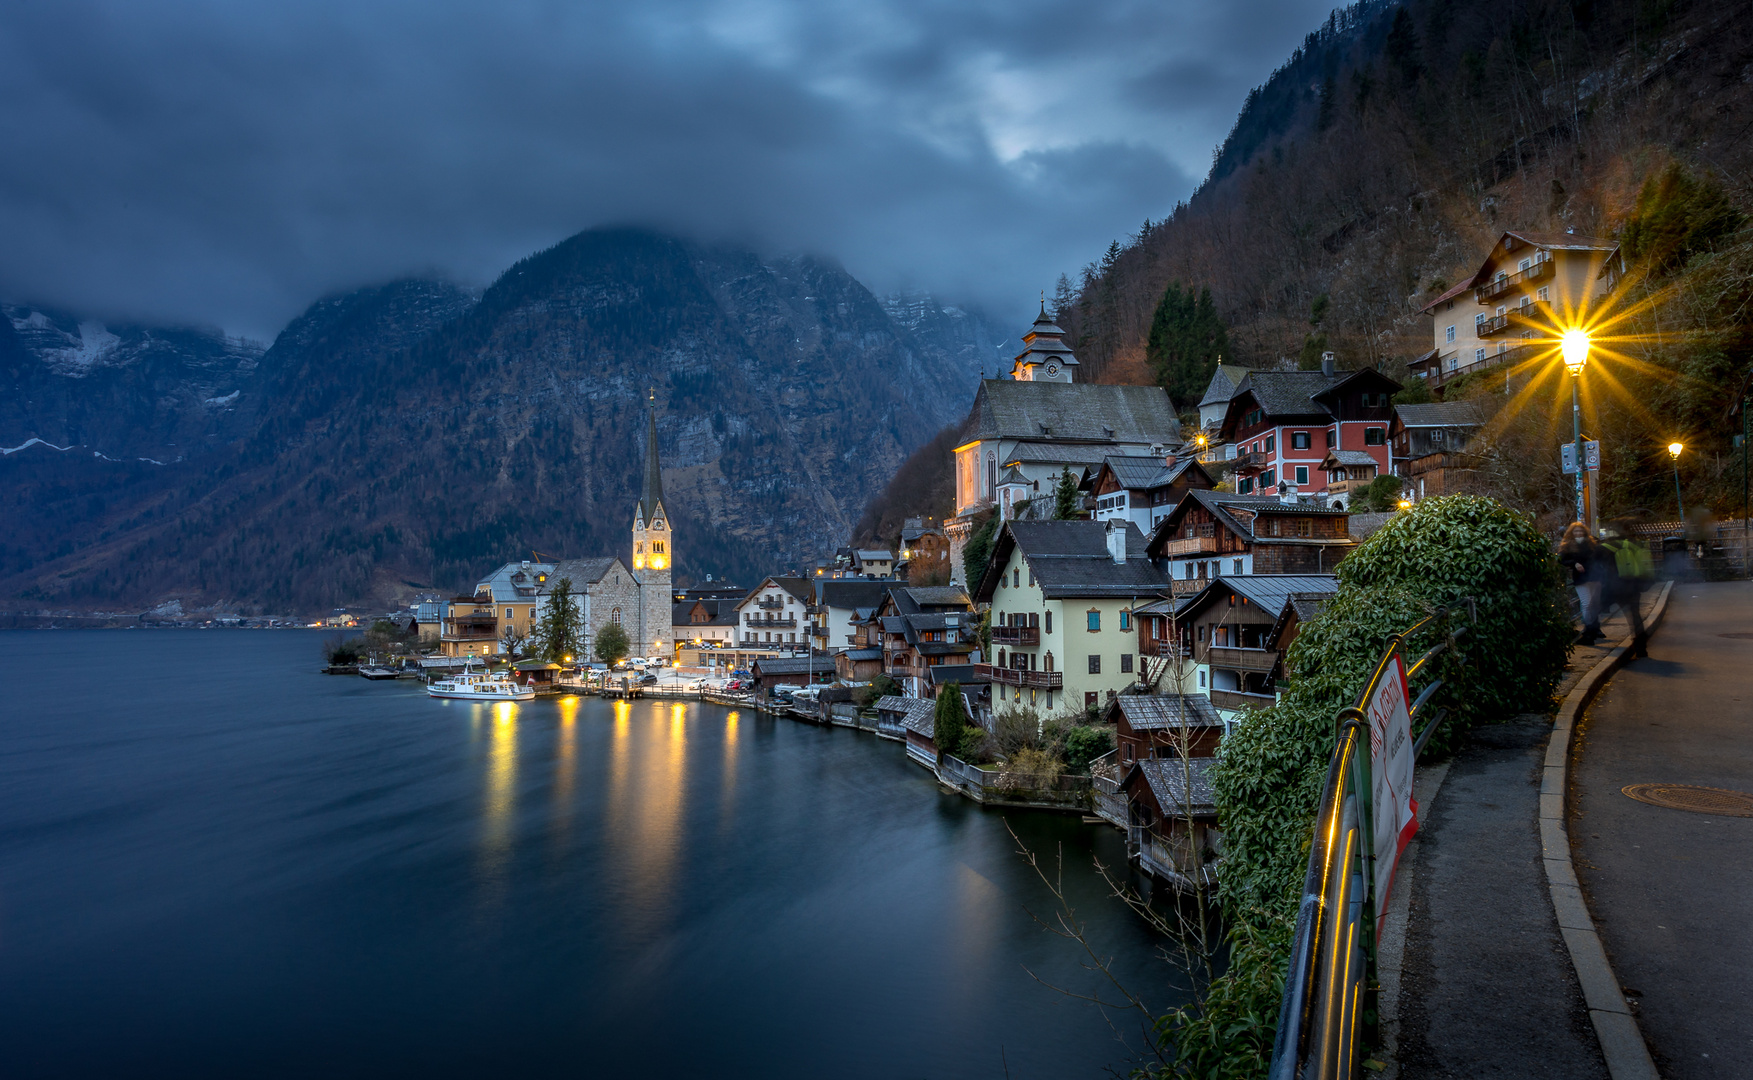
{"x":1388,"y":153}
{"x":413,"y":436}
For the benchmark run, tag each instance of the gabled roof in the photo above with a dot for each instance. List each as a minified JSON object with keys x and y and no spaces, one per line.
{"x":1148,"y":473}
{"x":917,"y":714}
{"x":1268,"y":593}
{"x":1042,"y":453}
{"x":1223,"y":384}
{"x":914,"y":598}
{"x":1180,"y":785}
{"x":965,"y":674}
{"x":1070,"y":559}
{"x":1440,"y":414}
{"x":651,"y":493}
{"x":1221,"y":503}
{"x":841,"y":593}
{"x":1161,"y":712}
{"x":1551,"y":241}
{"x":1070,"y":412}
{"x":1349,"y":458}
{"x":1299,"y":606}
{"x":582,"y":571}
{"x":800,"y":587}
{"x":822,"y":663}
{"x":1285,"y":393}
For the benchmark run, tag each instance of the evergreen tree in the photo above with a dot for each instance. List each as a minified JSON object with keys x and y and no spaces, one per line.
{"x":1187,"y":341}
{"x":559,"y":633}
{"x":612,"y":644}
{"x":948,"y":725}
{"x":1067,"y":500}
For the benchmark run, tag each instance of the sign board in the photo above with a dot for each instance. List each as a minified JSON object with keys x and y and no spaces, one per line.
{"x":1591,"y":457}
{"x":1395,"y":815}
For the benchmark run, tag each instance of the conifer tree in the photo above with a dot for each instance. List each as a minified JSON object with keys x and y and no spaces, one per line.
{"x":1187,"y":340}
{"x":1066,"y":500}
{"x":560,"y":632}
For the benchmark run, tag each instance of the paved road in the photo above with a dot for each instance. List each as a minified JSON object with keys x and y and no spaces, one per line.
{"x":1672,"y":891}
{"x":1488,"y":989}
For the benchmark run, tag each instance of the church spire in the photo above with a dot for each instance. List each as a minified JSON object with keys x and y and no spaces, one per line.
{"x":652,"y":493}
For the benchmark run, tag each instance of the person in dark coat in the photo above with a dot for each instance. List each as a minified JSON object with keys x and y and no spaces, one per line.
{"x":1585,"y":561}
{"x":1633,"y":572}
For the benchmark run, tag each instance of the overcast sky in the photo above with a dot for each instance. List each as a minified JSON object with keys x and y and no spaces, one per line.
{"x":227,"y":163}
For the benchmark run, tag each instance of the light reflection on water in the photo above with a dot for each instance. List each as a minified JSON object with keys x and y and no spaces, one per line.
{"x":270,"y":872}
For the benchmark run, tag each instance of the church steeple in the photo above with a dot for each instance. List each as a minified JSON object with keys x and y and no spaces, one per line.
{"x":1045,"y":356}
{"x":652,"y":554}
{"x":651,"y":495}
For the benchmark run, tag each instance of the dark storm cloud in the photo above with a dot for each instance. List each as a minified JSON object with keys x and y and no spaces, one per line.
{"x":228,"y":163}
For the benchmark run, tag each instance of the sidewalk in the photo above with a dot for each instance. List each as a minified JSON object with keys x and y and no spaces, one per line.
{"x":1486,"y":985}
{"x":1671,"y":891}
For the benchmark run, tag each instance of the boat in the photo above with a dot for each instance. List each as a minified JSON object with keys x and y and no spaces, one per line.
{"x":479,"y":686}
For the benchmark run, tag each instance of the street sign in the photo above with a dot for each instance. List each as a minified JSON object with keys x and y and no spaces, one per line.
{"x":1395,"y":815}
{"x":1591,"y":456}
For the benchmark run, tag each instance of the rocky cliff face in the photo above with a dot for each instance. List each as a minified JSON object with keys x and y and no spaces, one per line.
{"x":413,"y":436}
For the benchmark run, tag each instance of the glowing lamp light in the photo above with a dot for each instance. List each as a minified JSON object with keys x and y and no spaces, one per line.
{"x":1405,"y":504}
{"x":1575,"y":347}
{"x":1674,"y":448}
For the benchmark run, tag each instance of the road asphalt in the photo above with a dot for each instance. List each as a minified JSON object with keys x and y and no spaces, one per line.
{"x":1671,"y":891}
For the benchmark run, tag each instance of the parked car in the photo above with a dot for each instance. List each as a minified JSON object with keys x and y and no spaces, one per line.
{"x":648,"y":679}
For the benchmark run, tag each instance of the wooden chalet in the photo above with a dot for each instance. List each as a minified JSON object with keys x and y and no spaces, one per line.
{"x":1166,"y":725}
{"x":1213,"y":534}
{"x":1429,"y":444}
{"x":1229,"y":626}
{"x":1172,"y":820}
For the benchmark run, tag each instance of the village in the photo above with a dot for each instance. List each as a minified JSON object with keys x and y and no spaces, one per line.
{"x":1113,"y":592}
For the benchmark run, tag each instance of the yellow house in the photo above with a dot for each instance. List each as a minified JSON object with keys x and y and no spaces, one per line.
{"x":1062,"y":595}
{"x":469,"y":628}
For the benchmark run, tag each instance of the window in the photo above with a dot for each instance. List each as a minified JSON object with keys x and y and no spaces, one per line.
{"x":1479,"y":321}
{"x":1271,"y":443}
{"x":1202,"y":633}
{"x":1089,"y":700}
{"x":1094,"y":618}
{"x":1332,"y":437}
{"x":1449,"y":334}
{"x":1237,"y":570}
{"x":1544,"y":294}
{"x":1299,"y":440}
{"x":991,"y":472}
{"x":1016,"y":578}
{"x":1453,"y":360}
{"x":1126,"y":620}
{"x":1437,"y":437}
{"x":1202,"y":679}
{"x":1305,"y":527}
{"x":1478,"y":355}
{"x":615,"y":616}
{"x":1049,"y":629}
{"x":1244,"y":485}
{"x":508,"y":613}
{"x":1374,"y":436}
{"x":1126,"y":663}
{"x":657,"y":547}
{"x":1031,"y":578}
{"x":1302,"y":475}
{"x":1268,"y":478}
{"x":1095,"y":664}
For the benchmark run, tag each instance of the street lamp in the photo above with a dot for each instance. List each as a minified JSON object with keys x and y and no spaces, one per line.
{"x":1574,"y":345}
{"x":1674,"y":449}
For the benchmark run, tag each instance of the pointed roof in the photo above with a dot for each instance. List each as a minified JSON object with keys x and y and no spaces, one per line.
{"x":652,"y":493}
{"x":1223,"y":384}
{"x":1045,"y":341}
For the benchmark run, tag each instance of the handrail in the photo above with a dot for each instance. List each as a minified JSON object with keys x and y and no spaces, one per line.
{"x":1328,"y":1009}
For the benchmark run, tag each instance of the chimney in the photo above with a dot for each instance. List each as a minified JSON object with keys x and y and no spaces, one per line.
{"x":1169,"y":460}
{"x":1327,"y":364}
{"x":1117,"y":539}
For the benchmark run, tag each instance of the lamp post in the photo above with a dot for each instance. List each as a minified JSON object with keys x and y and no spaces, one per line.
{"x":1575,"y":347}
{"x":1674,"y":450}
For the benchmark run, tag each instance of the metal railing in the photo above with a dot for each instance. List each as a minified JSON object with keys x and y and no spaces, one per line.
{"x":1491,"y":290}
{"x":1329,"y":1006}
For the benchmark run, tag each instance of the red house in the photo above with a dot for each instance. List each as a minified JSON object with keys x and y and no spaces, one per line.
{"x":1283,"y":423}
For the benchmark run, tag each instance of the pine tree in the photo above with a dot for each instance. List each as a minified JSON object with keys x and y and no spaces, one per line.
{"x":612,"y":644}
{"x":950,"y":721}
{"x":1187,"y":340}
{"x":1067,"y":502}
{"x":560,"y":632}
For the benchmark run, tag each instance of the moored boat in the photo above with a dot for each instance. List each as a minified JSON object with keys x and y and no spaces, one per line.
{"x":478,"y":686}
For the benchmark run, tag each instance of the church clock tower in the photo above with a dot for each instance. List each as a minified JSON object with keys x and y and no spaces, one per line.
{"x":653,"y":552}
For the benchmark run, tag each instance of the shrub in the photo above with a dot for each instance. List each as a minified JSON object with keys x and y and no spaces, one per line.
{"x":1029,"y":770}
{"x":348,"y":651}
{"x":1084,"y":744}
{"x":880,"y":687}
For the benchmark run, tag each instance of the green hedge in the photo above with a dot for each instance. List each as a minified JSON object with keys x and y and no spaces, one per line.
{"x":1271,"y":767}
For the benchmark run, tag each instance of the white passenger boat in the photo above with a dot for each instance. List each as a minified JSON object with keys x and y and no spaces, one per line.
{"x":479,"y":686}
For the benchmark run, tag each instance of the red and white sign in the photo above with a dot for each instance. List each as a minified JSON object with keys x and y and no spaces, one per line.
{"x":1395,"y":812}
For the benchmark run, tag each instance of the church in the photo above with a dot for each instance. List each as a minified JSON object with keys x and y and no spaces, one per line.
{"x":604,"y":589}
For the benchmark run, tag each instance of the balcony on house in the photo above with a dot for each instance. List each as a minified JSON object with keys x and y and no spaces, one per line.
{"x":1491,"y":290}
{"x":1250,"y":461}
{"x":770,"y":623}
{"x":1237,"y":699}
{"x":770,"y":604}
{"x":1016,"y":635}
{"x":1206,"y":541}
{"x":1232,"y":658}
{"x":1034,"y":680}
{"x":476,"y":628}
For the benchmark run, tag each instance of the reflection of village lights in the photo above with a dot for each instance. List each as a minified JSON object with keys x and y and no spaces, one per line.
{"x":1574,"y":344}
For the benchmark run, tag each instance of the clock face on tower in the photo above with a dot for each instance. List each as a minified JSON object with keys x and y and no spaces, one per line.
{"x":1052,"y":370}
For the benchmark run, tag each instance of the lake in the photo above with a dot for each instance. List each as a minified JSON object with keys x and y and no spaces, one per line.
{"x":215,"y":861}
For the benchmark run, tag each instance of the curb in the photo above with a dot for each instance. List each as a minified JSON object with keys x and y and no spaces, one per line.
{"x":1622,"y":1045}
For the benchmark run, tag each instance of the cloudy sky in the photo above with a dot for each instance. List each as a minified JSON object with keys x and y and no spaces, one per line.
{"x":227,"y":163}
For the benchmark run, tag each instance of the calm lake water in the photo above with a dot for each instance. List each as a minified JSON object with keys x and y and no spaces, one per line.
{"x":216,"y":862}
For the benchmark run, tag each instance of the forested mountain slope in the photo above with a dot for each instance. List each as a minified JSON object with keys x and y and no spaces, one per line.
{"x":1380,"y":162}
